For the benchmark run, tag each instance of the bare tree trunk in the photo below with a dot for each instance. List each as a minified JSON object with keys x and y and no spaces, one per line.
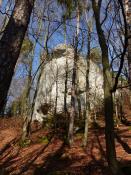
{"x":26,"y":128}
{"x":108,"y":100}
{"x":73,"y":101}
{"x":121,"y":102}
{"x":56,"y":98}
{"x":129,"y":53}
{"x":10,"y":44}
{"x":87,"y":110}
{"x":30,"y":110}
{"x":65,"y":92}
{"x":116,"y":110}
{"x":79,"y":106}
{"x":27,"y":103}
{"x":66,"y":74}
{"x":127,"y":4}
{"x":78,"y":99}
{"x":73,"y":89}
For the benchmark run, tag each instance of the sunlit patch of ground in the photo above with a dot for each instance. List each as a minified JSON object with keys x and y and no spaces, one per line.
{"x":48,"y":155}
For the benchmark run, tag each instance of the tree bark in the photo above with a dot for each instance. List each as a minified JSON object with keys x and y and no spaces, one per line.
{"x":74,"y":88}
{"x":78,"y":99}
{"x":128,"y":20}
{"x":87,"y":108}
{"x":10,"y":44}
{"x":108,"y":100}
{"x":65,"y":92}
{"x":56,"y":99}
{"x":73,"y":101}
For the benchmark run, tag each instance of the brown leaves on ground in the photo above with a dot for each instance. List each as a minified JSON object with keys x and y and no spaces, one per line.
{"x":41,"y":158}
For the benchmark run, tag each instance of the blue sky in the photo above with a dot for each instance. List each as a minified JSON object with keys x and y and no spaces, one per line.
{"x":58,"y":36}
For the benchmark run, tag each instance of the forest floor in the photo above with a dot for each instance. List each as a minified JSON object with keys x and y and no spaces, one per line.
{"x":40,"y":156}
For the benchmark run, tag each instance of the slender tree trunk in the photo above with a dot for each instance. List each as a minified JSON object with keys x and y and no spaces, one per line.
{"x":30,"y":110}
{"x":27,"y":104}
{"x":26,"y":95}
{"x":79,"y":106}
{"x":87,"y":110}
{"x":129,"y":66}
{"x":10,"y":44}
{"x":121,"y":102}
{"x":78,"y":98}
{"x":116,"y":110}
{"x":108,"y":101}
{"x":65,"y":98}
{"x":66,"y":86}
{"x":66,"y":74}
{"x":65,"y":92}
{"x":73,"y":102}
{"x":127,"y":4}
{"x":73,"y":89}
{"x":129,"y":55}
{"x":56,"y":99}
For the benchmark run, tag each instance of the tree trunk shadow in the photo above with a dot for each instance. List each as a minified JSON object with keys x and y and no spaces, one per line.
{"x":123,"y":144}
{"x":47,"y":165}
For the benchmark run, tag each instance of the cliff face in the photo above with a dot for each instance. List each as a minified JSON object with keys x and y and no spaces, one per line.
{"x":52,"y":83}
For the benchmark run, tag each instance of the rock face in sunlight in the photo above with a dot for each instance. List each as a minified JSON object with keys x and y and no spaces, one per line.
{"x":51,"y":89}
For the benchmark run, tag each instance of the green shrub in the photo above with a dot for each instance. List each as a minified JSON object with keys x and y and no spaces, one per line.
{"x":129,"y":128}
{"x":44,"y":139}
{"x":24,"y":143}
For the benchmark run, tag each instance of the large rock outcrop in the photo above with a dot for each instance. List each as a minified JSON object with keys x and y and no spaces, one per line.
{"x":52,"y":82}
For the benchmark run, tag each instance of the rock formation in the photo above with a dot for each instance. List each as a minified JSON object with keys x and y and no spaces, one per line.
{"x":52,"y":82}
